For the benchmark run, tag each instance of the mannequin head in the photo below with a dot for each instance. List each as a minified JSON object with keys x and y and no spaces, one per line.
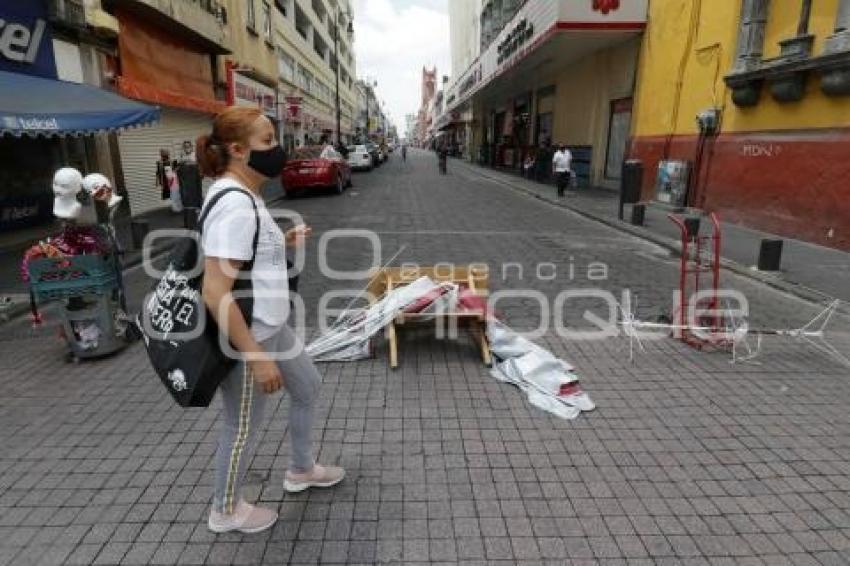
{"x":99,"y":187}
{"x":67,"y":182}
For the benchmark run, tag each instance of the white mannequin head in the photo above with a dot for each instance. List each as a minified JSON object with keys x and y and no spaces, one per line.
{"x":67,"y":182}
{"x":99,"y":187}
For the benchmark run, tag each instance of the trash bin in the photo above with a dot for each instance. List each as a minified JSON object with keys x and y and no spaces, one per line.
{"x":91,"y":296}
{"x":630,"y":183}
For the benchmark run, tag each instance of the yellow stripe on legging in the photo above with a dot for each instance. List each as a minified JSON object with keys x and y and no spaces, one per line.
{"x":241,"y":438}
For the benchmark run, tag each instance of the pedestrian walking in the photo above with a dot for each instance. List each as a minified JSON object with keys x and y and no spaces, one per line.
{"x":543,"y":162}
{"x":243,"y":153}
{"x":562,"y":167}
{"x":404,"y":152}
{"x":443,"y":158}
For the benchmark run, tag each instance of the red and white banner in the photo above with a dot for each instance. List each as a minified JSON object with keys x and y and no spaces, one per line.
{"x":248,"y":92}
{"x":293,"y":108}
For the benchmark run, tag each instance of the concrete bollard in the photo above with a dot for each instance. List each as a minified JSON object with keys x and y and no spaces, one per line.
{"x":770,"y":255}
{"x":638,"y":214}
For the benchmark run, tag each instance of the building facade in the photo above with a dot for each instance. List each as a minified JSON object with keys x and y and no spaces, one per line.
{"x":772,"y":82}
{"x":370,"y":116}
{"x":559,"y":71}
{"x":425,"y":117}
{"x":250,"y":71}
{"x":77,"y":42}
{"x":464,"y":33}
{"x":410,"y":128}
{"x":312,"y":39}
{"x":168,"y":52}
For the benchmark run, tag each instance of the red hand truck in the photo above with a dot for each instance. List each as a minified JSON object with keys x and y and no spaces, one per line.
{"x":696,"y":314}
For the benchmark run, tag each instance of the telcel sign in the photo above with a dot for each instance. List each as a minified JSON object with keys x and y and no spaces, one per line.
{"x":25,"y":45}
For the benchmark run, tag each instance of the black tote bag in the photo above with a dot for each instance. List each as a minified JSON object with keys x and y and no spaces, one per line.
{"x":180,"y":335}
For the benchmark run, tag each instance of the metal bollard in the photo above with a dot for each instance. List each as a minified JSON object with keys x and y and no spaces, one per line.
{"x":638,"y":214}
{"x":138,"y":230}
{"x":770,"y":255}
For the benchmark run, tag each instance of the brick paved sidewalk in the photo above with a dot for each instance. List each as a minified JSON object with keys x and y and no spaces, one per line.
{"x":811,"y":271}
{"x":688,"y":459}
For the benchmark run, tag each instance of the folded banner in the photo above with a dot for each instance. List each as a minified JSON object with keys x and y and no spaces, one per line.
{"x":350,"y":336}
{"x":548,"y":382}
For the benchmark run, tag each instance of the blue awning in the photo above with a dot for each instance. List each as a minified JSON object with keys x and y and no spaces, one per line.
{"x":35,"y":106}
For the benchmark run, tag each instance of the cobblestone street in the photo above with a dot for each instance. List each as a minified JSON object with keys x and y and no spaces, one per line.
{"x":688,"y":458}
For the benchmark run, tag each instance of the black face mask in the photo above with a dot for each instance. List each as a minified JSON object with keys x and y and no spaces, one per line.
{"x":267,"y":162}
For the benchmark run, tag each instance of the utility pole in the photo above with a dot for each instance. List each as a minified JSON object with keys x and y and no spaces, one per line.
{"x":336,"y":66}
{"x":367,"y":111}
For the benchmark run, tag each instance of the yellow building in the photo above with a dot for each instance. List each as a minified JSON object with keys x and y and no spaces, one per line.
{"x":284,"y":60}
{"x":249,"y":73}
{"x":771,"y":80}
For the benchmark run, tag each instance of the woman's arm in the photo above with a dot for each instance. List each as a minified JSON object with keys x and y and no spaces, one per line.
{"x":219,"y":275}
{"x":297,"y":235}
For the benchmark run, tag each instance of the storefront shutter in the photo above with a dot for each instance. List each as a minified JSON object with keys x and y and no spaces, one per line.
{"x":140,"y":152}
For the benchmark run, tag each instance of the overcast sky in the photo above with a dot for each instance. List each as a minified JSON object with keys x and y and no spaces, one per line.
{"x":394,"y":39}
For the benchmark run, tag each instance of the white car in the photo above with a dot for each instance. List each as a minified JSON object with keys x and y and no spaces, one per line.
{"x":359,"y":157}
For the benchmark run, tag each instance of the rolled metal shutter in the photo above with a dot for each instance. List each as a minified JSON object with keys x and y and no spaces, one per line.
{"x":140,"y":151}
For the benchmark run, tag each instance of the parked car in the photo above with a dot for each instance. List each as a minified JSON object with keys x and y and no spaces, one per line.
{"x":359,"y":158}
{"x":307,"y":170}
{"x":375,"y":152}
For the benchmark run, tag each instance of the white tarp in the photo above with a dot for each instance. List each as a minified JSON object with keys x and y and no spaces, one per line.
{"x":348,"y":339}
{"x":548,"y":382}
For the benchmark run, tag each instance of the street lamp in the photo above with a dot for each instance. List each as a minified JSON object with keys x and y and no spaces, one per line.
{"x":350,"y":30}
{"x":369,"y":84}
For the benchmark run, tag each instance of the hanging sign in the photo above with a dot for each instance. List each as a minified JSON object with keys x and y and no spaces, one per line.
{"x":248,"y":92}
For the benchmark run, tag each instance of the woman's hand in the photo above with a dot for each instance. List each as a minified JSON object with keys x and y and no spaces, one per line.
{"x":298,"y":235}
{"x":266,"y":373}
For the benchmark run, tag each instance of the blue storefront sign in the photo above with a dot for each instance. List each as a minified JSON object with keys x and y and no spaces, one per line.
{"x":25,"y":38}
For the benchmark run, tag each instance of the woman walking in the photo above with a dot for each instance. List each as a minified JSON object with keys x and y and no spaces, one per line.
{"x":242,"y":153}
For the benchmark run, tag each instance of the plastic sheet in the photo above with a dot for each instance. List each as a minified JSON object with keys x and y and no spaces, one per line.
{"x":348,"y":339}
{"x":548,"y":382}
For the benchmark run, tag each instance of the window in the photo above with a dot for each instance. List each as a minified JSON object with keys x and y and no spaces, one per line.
{"x":285,"y":66}
{"x":301,"y":22}
{"x":319,"y":46}
{"x":250,"y":15}
{"x":319,"y":9}
{"x":267,"y":21}
{"x":305,"y":79}
{"x":281,"y":5}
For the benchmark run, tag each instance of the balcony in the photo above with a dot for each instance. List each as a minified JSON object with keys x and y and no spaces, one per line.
{"x":67,"y":13}
{"x":201,"y":22}
{"x":302,"y":24}
{"x":319,"y":10}
{"x":320,"y":47}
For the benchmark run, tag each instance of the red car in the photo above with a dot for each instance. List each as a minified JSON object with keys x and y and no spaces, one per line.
{"x":308,"y":169}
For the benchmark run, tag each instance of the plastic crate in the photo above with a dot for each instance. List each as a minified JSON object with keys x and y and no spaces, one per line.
{"x":73,"y":276}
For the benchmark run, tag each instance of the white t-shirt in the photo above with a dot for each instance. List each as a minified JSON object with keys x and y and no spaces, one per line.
{"x":562,"y":161}
{"x":228,"y":232}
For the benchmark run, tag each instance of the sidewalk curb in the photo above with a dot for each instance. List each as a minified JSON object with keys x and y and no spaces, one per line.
{"x":776,"y":282}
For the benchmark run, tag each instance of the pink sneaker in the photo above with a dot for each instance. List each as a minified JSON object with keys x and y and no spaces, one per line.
{"x":319,"y":476}
{"x":246,"y":518}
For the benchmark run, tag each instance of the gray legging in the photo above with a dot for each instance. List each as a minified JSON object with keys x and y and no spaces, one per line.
{"x":244,"y":404}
